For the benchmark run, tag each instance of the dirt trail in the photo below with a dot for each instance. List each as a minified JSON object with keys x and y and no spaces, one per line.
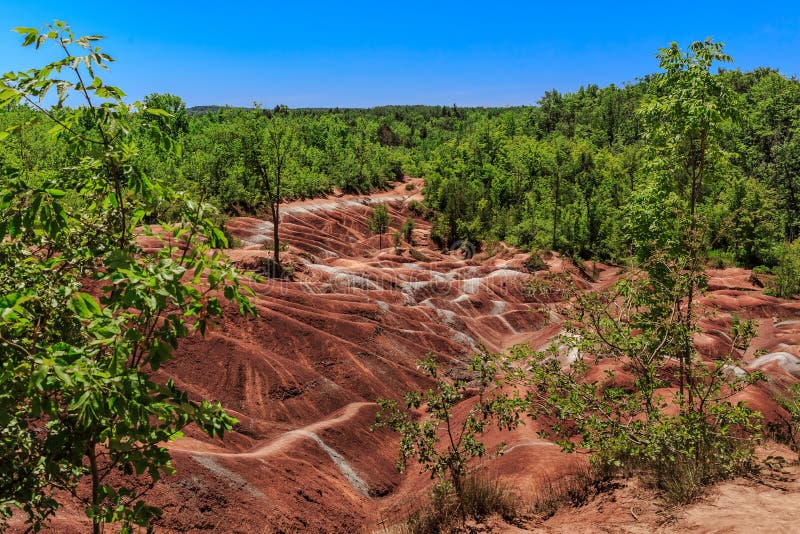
{"x":280,"y":444}
{"x":283,"y":441}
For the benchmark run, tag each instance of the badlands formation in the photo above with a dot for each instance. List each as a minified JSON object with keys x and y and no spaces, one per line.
{"x":302,"y":377}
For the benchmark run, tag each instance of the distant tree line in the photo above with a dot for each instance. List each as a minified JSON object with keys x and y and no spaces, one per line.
{"x":557,"y":175}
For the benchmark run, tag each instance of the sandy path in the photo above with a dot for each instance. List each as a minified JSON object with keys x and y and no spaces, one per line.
{"x":286,"y":439}
{"x":281,"y":443}
{"x":744,"y":505}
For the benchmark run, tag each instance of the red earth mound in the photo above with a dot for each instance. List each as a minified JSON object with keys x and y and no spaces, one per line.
{"x":302,"y":378}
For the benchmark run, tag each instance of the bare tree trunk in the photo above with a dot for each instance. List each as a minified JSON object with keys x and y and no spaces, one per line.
{"x":92,"y":454}
{"x":555,"y":210}
{"x":698,"y":169}
{"x":276,"y":242}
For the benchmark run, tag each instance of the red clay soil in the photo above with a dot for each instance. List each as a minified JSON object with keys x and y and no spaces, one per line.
{"x":763,"y":503}
{"x":302,"y":378}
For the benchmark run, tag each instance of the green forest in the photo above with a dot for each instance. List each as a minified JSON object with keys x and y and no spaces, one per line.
{"x":558,"y":174}
{"x":695,"y":165}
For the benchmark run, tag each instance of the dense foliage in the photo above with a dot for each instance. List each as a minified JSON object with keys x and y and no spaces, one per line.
{"x":86,"y":317}
{"x":556,"y":175}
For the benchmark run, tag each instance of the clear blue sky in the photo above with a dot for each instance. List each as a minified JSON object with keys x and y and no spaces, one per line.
{"x":340,"y":53}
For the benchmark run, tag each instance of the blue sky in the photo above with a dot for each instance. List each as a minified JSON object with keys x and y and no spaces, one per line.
{"x":356,"y":54}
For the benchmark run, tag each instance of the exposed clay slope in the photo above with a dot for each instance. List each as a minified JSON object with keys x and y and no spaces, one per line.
{"x":348,"y":330}
{"x":764,"y":503}
{"x":302,"y":378}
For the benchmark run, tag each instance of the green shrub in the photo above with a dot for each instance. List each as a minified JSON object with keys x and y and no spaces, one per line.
{"x":720,"y":259}
{"x":788,"y":429}
{"x":418,"y":208}
{"x":689,"y":452}
{"x":407,"y":230}
{"x":443,"y":445}
{"x":482,"y":496}
{"x":534,"y":262}
{"x":787,"y":272}
{"x":625,"y":428}
{"x":397,"y":240}
{"x":571,"y":490}
{"x":491,"y":247}
{"x":379,"y":221}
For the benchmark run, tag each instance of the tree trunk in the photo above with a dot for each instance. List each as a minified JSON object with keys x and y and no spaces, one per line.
{"x":697,"y":170}
{"x":276,"y":244}
{"x":555,"y":211}
{"x":92,"y":454}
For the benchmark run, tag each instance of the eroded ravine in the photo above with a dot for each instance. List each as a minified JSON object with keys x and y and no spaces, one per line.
{"x":302,"y":378}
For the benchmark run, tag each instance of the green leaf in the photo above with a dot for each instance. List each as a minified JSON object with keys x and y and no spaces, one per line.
{"x":158,"y":112}
{"x":85,"y":306}
{"x":23,"y":30}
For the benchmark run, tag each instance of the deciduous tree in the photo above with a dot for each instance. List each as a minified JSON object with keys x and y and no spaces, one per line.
{"x":87,"y":318}
{"x":379,"y":220}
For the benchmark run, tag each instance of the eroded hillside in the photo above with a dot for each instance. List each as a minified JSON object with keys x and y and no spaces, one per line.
{"x":302,"y":378}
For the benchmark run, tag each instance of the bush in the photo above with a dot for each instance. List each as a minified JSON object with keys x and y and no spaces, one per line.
{"x":788,"y":429}
{"x":397,"y":240}
{"x":458,"y":492}
{"x":689,"y":452}
{"x":491,"y":247}
{"x":419,"y":256}
{"x":407,"y":230}
{"x":418,"y":208}
{"x":481,"y":497}
{"x":534,"y":262}
{"x":572,"y":490}
{"x":625,"y":427}
{"x":720,"y":259}
{"x":787,"y":272}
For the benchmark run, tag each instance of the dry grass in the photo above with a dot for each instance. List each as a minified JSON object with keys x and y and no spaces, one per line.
{"x":442,"y":510}
{"x":570,"y":490}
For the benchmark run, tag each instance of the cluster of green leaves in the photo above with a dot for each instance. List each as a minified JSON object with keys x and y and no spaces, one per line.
{"x":788,"y":430}
{"x":407,"y":229}
{"x":86,"y":317}
{"x":486,"y":405}
{"x":787,"y":272}
{"x":636,"y":418}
